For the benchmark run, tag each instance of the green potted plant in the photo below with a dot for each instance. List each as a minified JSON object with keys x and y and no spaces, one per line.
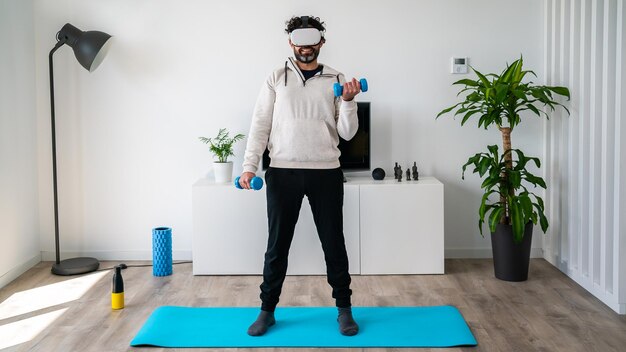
{"x":498,"y":100}
{"x":222,"y":148}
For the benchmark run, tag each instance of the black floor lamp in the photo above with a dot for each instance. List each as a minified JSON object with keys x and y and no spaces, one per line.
{"x":89,"y":48}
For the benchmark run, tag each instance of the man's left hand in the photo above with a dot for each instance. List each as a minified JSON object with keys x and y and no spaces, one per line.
{"x":351,"y":89}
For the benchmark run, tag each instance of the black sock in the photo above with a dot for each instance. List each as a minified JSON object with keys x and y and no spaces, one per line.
{"x":347,"y":325}
{"x":262,"y":323}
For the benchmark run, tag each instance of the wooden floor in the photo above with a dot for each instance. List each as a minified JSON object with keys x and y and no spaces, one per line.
{"x":549,"y":312}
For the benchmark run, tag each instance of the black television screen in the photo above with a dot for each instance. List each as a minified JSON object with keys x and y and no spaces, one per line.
{"x":355,"y":153}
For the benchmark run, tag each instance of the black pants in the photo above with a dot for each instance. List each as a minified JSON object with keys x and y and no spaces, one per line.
{"x":285,"y":190}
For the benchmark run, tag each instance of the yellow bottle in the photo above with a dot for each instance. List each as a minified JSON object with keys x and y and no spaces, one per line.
{"x":117,"y":294}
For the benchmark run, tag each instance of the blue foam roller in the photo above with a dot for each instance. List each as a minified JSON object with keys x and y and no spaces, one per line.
{"x":162,"y":251}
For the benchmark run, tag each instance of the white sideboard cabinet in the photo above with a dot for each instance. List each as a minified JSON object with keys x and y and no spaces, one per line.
{"x":390,"y":227}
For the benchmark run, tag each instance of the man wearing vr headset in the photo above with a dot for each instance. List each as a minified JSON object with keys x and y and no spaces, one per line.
{"x":299,"y":120}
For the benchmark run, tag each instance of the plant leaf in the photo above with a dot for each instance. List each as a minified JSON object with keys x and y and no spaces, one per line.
{"x":483,"y":79}
{"x":445,"y":111}
{"x":560,"y":91}
{"x":517,"y":221}
{"x":495,"y":217}
{"x":467,"y":82}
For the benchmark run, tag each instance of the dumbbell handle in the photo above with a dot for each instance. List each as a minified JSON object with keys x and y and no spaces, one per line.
{"x":256,"y":183}
{"x":338,"y":88}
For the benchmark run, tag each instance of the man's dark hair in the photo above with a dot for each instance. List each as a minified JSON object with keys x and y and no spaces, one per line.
{"x":296,"y":22}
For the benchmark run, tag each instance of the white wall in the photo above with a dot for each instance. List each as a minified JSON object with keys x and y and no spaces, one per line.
{"x":19,"y":216}
{"x":586,"y":51}
{"x":127,"y":133}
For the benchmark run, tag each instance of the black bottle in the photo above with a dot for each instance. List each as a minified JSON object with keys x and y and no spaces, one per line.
{"x":117,"y":293}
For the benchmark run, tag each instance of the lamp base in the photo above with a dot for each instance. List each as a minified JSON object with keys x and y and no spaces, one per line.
{"x":75,"y":266}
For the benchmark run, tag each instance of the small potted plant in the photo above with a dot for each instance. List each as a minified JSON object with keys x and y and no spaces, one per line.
{"x":498,"y":101}
{"x":222,"y":148}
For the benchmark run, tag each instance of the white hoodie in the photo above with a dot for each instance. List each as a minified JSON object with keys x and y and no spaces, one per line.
{"x":300,"y":121}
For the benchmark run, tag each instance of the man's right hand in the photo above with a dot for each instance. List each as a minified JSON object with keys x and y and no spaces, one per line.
{"x":245,"y":178}
{"x":351,"y":89}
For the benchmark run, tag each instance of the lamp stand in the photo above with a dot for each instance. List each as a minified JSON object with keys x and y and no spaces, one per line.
{"x":73,"y":266}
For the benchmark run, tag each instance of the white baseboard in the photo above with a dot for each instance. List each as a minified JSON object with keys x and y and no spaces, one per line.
{"x":464,"y":253}
{"x":456,"y":253}
{"x":114,"y":255}
{"x":608,"y":298}
{"x":14,"y":273}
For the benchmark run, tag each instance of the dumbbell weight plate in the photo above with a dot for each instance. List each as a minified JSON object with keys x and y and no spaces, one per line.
{"x":338,"y":89}
{"x":363,"y":82}
{"x":256,"y":183}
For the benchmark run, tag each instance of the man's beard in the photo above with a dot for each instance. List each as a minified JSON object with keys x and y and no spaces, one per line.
{"x":306,"y":58}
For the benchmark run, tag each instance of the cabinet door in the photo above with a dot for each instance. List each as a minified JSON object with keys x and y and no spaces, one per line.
{"x":229,"y":230}
{"x":402,"y":228}
{"x":230,"y":233}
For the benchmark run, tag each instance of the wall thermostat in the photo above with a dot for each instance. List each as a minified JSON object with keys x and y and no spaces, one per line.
{"x":459,"y":65}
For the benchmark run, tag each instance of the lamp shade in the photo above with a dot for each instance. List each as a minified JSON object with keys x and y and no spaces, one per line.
{"x":90,"y":47}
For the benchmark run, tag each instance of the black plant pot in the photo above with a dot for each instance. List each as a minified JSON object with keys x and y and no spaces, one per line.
{"x":510,"y":259}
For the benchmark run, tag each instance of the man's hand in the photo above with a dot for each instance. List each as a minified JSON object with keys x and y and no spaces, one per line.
{"x":351,"y":89}
{"x":244,"y":179}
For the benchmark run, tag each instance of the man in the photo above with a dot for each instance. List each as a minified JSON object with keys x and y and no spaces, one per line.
{"x":299,"y":120}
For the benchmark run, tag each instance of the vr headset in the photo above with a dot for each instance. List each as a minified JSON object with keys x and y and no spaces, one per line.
{"x":305,"y":36}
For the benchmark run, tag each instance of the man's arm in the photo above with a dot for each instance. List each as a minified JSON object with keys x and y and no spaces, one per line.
{"x":260,"y":127}
{"x":346,"y":111}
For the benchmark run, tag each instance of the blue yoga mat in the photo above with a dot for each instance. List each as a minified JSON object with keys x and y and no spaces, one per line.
{"x":437,"y":326}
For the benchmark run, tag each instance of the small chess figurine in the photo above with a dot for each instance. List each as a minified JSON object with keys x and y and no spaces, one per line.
{"x":395,"y":170}
{"x":408,"y":174}
{"x":399,"y":173}
{"x":415,"y":173}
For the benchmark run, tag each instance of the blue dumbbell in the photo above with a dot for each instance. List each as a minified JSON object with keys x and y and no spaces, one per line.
{"x":256,"y":183}
{"x":338,"y":88}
